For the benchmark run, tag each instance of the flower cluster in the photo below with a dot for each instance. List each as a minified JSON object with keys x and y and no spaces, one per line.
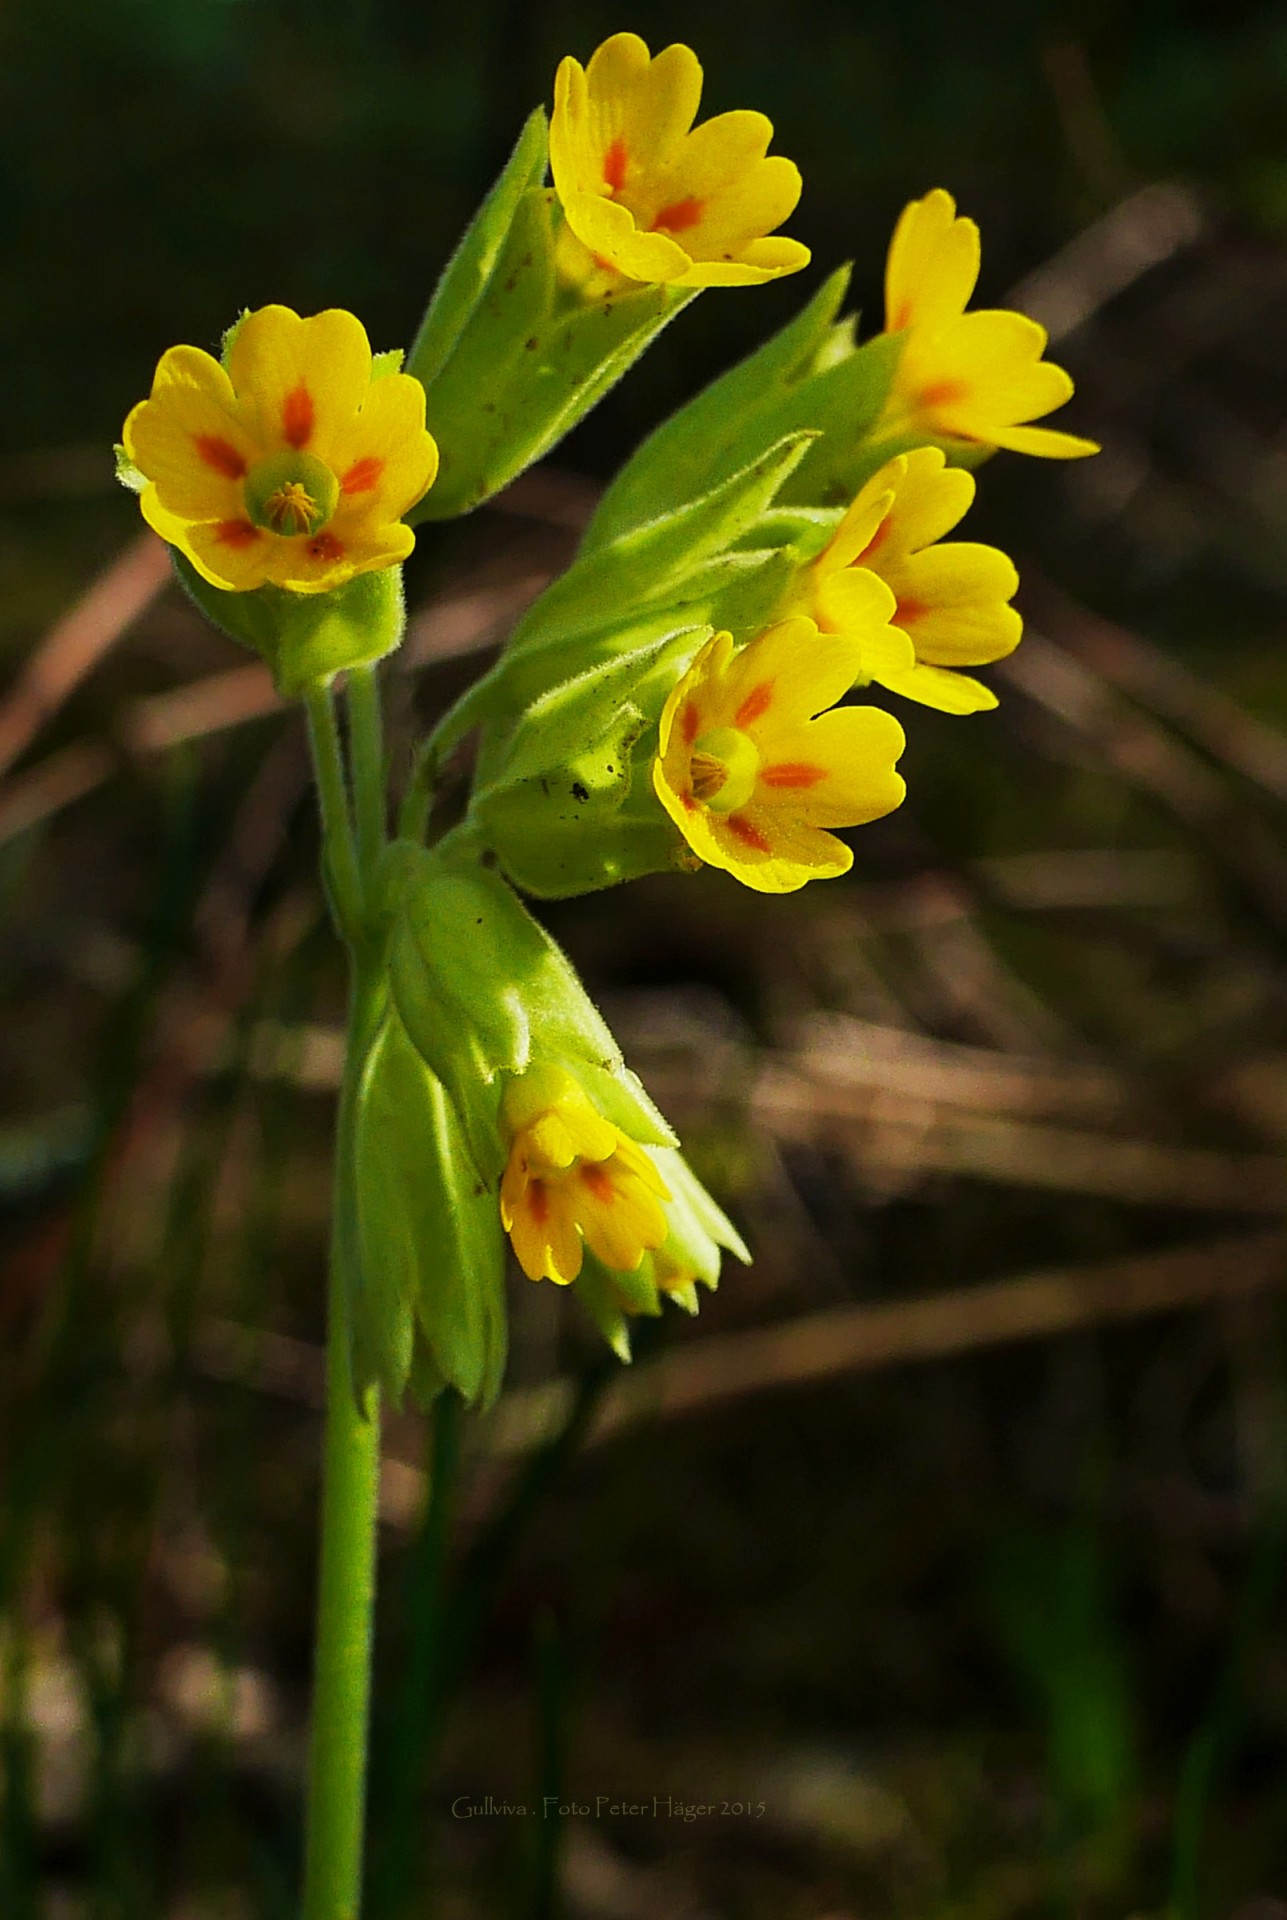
{"x":680,"y":697}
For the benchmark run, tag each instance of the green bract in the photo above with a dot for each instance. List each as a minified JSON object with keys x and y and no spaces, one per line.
{"x":510,"y":356}
{"x":809,"y":378}
{"x":307,"y":637}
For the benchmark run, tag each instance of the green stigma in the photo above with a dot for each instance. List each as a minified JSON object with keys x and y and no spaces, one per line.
{"x":725,"y":766}
{"x":291,"y":494}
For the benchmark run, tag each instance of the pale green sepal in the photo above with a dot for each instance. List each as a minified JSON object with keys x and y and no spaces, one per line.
{"x":531,"y":357}
{"x":569,"y":807}
{"x":307,"y":637}
{"x":467,"y":273}
{"x":126,"y":471}
{"x":692,"y":451}
{"x":698,"y":1227}
{"x":620,"y":1096}
{"x":230,"y":335}
{"x":390,"y":361}
{"x":594,"y":1289}
{"x":655,"y":564}
{"x":429,"y":1230}
{"x":562,"y":721}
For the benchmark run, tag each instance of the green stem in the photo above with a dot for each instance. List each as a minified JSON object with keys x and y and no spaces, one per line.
{"x":346,"y":1580}
{"x":366,"y":753}
{"x":339,"y":851}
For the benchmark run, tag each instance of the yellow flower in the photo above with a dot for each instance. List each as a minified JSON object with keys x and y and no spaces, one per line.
{"x":952,"y":599}
{"x":574,"y":1180}
{"x":655,"y":198}
{"x":965,"y":376}
{"x":748,"y":774}
{"x":294,"y":466}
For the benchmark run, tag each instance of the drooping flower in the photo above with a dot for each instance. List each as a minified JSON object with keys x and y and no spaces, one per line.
{"x":973,"y":377}
{"x":754,"y":771}
{"x":952,"y":598}
{"x":574,"y":1180}
{"x":651,"y":196}
{"x":294,"y":465}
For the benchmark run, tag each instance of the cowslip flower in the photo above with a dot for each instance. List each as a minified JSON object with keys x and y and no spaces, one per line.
{"x":651,"y":196}
{"x":975,"y":377}
{"x":290,"y":468}
{"x":573,"y":1180}
{"x":753,"y":770}
{"x":951,"y":598}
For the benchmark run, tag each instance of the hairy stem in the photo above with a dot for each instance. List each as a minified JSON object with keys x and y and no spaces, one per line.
{"x":337,"y":1763}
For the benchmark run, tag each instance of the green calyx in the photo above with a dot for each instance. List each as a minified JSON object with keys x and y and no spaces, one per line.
{"x":293,"y":493}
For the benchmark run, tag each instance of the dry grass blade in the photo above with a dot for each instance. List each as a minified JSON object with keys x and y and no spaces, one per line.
{"x":1160,"y":682}
{"x":78,"y":641}
{"x":901,"y":1131}
{"x":822,"y":1346}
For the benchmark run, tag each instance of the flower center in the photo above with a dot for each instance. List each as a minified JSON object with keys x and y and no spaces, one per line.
{"x":291,"y":494}
{"x":725,"y":766}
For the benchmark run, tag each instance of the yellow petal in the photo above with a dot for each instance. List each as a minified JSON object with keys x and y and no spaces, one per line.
{"x":838,"y":771}
{"x":933,"y":264}
{"x":953,"y":603}
{"x":788,"y":673}
{"x":620,"y":1218}
{"x":983,"y":375}
{"x":930,"y":499}
{"x":862,"y":519}
{"x":761,"y":260}
{"x":1046,"y":442}
{"x":856,"y":602}
{"x":237,"y":564}
{"x":300,"y":381}
{"x":608,"y":229}
{"x":774,"y":855}
{"x":657,"y":105}
{"x":189,"y":437}
{"x":941,"y":688}
{"x":383,"y":457}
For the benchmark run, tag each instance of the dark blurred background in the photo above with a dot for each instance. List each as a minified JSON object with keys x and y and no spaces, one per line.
{"x":940,"y":1562}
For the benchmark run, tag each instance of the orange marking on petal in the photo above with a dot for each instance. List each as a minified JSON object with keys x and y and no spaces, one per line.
{"x":236,"y":533}
{"x":688,"y":803}
{"x":221,"y":455}
{"x":595,"y":1175}
{"x":297,"y":417}
{"x":908,"y":610}
{"x":749,"y":836}
{"x":363,"y":474}
{"x":324,"y":546}
{"x":943,"y":393}
{"x":538,"y":1202}
{"x":690,"y":722}
{"x":900,"y":318}
{"x":679,"y":216}
{"x":792,"y":773}
{"x":615,"y":162}
{"x":757,"y":702}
